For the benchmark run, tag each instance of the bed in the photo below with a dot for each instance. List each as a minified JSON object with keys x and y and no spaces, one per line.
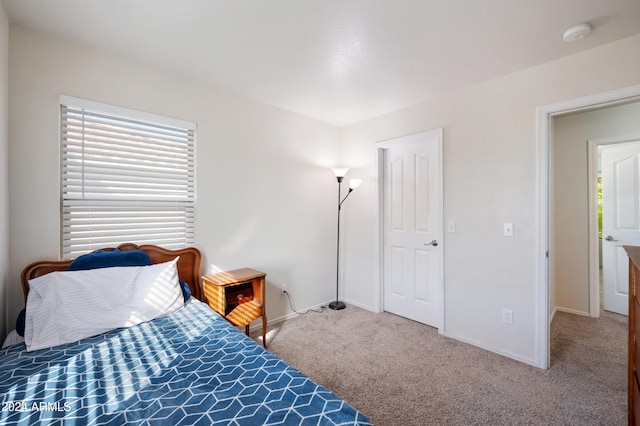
{"x":187,"y":367}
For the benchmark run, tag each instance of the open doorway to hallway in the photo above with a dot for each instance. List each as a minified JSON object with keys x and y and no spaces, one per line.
{"x":577,"y":232}
{"x":574,"y":253}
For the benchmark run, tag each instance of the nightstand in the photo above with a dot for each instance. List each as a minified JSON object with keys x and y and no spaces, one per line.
{"x":238,"y":296}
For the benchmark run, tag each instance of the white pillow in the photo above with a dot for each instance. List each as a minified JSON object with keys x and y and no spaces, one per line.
{"x":64,"y":307}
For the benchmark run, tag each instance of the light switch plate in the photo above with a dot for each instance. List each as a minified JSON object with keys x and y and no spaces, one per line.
{"x":508,"y":229}
{"x":451,"y":226}
{"x":507,"y":316}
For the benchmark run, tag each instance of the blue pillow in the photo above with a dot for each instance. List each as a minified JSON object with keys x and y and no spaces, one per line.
{"x":106,"y":259}
{"x":20,"y":322}
{"x":186,"y":291}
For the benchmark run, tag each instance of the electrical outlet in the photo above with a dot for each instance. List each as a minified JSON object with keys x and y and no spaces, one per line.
{"x":283,"y":289}
{"x":508,"y":229}
{"x":507,"y":316}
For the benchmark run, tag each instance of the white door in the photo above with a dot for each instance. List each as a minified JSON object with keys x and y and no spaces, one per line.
{"x":412,"y":229}
{"x":620,"y":220}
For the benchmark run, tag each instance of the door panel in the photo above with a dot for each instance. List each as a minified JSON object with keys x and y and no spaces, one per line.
{"x":626,"y":193}
{"x":397,"y":271}
{"x":422,"y":276}
{"x":620,"y":219}
{"x":396,"y":192}
{"x":412,"y":277}
{"x":423,"y":175}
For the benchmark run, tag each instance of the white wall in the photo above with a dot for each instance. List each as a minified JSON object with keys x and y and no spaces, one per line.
{"x":490,"y":177}
{"x":570,"y":204}
{"x":265,"y":193}
{"x":4,"y":175}
{"x":266,"y":200}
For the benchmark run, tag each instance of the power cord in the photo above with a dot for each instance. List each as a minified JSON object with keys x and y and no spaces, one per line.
{"x":317,"y":311}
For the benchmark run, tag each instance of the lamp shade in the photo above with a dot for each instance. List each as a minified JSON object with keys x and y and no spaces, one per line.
{"x":354,"y":183}
{"x":340,"y":171}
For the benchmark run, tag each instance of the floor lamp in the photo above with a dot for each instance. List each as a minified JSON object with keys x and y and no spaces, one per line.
{"x":353,"y":184}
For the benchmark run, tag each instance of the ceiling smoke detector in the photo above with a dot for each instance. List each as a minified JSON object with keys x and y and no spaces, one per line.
{"x":577,"y":33}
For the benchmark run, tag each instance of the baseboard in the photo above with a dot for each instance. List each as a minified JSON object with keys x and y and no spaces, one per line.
{"x":572,"y":311}
{"x":256,"y":326}
{"x":361,"y":306}
{"x":507,"y":354}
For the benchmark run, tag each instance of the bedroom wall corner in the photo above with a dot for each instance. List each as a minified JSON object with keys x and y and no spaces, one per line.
{"x":265,"y":193}
{"x":4,"y":175}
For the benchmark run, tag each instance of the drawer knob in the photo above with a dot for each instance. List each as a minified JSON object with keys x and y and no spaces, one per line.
{"x":240,"y":296}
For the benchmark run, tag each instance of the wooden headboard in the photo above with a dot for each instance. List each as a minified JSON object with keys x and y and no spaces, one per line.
{"x":188,"y":265}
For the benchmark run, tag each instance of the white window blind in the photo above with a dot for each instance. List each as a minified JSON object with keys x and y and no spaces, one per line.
{"x":126,"y":177}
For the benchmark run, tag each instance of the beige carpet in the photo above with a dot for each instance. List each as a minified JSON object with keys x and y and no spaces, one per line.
{"x":399,"y":372}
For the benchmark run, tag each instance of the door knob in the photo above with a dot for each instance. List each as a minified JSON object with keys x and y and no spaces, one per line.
{"x":432,"y":243}
{"x":610,"y":238}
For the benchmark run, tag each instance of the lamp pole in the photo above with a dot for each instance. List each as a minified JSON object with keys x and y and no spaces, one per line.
{"x":353,"y":184}
{"x":337,"y":305}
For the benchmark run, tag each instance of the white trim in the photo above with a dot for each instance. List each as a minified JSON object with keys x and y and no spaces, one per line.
{"x":541,"y":300}
{"x":572,"y":311}
{"x":543,"y":139}
{"x":126,"y":112}
{"x":377,"y":233}
{"x":380,"y":147}
{"x":512,"y":355}
{"x":256,"y":325}
{"x":358,"y":305}
{"x":258,"y":322}
{"x":594,"y":249}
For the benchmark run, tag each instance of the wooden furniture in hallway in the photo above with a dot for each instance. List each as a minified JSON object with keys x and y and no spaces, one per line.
{"x":634,"y":335}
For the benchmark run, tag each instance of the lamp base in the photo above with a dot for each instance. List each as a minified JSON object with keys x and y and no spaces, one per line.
{"x":336,"y":306}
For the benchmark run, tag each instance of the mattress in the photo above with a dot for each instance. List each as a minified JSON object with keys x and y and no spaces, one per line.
{"x":188,"y":368}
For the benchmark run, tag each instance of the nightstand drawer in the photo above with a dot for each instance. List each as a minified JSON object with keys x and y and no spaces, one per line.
{"x":244,"y":313}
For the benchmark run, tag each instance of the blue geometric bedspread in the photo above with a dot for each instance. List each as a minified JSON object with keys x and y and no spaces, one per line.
{"x":189,"y":368}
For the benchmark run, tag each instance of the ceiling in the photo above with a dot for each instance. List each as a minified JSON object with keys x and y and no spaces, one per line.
{"x":338,"y":61}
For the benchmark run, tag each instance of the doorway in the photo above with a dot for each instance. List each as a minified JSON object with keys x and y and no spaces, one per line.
{"x":578,"y":140}
{"x":614,"y":208}
{"x":550,"y":227}
{"x":410,"y":205}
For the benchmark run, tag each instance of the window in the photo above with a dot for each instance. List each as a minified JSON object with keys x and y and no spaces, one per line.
{"x":126,"y":177}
